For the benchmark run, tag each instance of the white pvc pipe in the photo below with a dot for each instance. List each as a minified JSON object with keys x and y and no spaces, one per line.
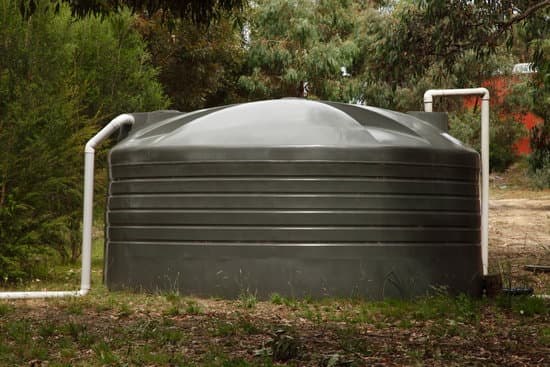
{"x":428,"y":104}
{"x":89,"y":153}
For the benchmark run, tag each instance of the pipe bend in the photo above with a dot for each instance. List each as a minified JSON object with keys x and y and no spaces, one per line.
{"x":115,"y":124}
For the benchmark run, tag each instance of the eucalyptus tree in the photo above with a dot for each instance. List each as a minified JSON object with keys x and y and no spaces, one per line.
{"x":300,"y":47}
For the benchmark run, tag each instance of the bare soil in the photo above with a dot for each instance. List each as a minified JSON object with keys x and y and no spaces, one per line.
{"x":519,"y":235}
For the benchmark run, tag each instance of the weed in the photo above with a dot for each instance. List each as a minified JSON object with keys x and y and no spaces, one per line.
{"x":545,"y":336}
{"x":173,"y":297}
{"x":74,"y":329}
{"x":5,"y":309}
{"x":19,"y":331}
{"x":75,"y":307}
{"x":248,"y":327}
{"x":172,"y":311}
{"x":124,"y":310}
{"x":104,"y":354}
{"x":216,"y":358}
{"x":530,"y":306}
{"x":193,"y":308}
{"x":415,"y":354}
{"x":224,"y":328}
{"x":47,"y":329}
{"x":172,"y":336}
{"x":247,"y":300}
{"x":312,"y":314}
{"x":276,"y":299}
{"x":351,"y":341}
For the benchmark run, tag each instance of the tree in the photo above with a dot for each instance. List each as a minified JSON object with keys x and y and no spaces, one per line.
{"x":300,"y":43}
{"x":201,"y":11}
{"x":60,"y":80}
{"x":198,"y":65}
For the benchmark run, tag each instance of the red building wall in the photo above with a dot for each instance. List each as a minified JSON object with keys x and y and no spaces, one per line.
{"x":500,"y":87}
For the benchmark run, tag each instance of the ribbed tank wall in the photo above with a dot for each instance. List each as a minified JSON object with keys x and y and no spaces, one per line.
{"x":289,"y":203}
{"x":296,"y":228}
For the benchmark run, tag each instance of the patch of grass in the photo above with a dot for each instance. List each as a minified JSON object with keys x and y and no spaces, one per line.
{"x":461,"y":308}
{"x":172,"y":311}
{"x":351,"y":340}
{"x":171,"y":336}
{"x":193,"y":308}
{"x":312,"y":314}
{"x":73,"y":329}
{"x":249,"y":327}
{"x":530,"y":306}
{"x":215,"y":358}
{"x":545,"y":336}
{"x":75,"y":306}
{"x":173,"y":297}
{"x":276,"y":299}
{"x":223,"y":328}
{"x":124,"y":310}
{"x":5,"y":309}
{"x":248,"y":300}
{"x":47,"y":329}
{"x":289,"y":302}
{"x":19,"y":330}
{"x":104,"y":354}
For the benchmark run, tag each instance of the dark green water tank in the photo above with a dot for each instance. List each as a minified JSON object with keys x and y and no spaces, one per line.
{"x":296,"y":197}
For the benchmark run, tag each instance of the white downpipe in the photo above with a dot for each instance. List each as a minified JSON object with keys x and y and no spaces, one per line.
{"x":89,"y":153}
{"x":428,"y":104}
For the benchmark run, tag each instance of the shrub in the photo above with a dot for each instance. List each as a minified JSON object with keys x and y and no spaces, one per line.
{"x":61,"y":78}
{"x":504,"y":132}
{"x":539,"y":161}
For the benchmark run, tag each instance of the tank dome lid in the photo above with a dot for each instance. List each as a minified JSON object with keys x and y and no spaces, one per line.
{"x":289,"y":123}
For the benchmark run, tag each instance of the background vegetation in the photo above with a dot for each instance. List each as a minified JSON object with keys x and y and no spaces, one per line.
{"x":67,"y":67}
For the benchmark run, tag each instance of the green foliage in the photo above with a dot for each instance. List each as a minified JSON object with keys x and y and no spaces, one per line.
{"x":60,"y":79}
{"x":503,"y":133}
{"x":276,"y":299}
{"x":295,"y":42}
{"x":247,"y":300}
{"x":198,"y":10}
{"x":199,"y":65}
{"x":539,"y":161}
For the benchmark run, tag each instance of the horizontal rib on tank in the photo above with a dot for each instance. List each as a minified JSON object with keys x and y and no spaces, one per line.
{"x":304,"y":208}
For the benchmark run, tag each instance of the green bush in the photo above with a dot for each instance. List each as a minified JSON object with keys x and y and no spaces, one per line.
{"x":61,"y":79}
{"x":504,"y":133}
{"x":539,"y":161}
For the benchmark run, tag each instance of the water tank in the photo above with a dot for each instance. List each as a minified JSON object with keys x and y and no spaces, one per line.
{"x":295,"y":197}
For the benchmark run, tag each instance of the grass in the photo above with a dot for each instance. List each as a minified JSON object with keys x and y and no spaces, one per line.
{"x":126,"y":328}
{"x":224,"y":333}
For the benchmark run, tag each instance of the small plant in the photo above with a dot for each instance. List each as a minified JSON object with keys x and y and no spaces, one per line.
{"x":276,"y":299}
{"x":75,"y":307}
{"x":248,"y":300}
{"x":104,"y":354}
{"x":248,"y":327}
{"x":171,"y":335}
{"x":193,"y":307}
{"x":47,"y":329}
{"x":5,"y":309}
{"x":74,"y":330}
{"x":124,"y":310}
{"x":351,"y":341}
{"x":173,"y":297}
{"x":284,"y":346}
{"x":172,"y":311}
{"x":223,"y":328}
{"x":530,"y":306}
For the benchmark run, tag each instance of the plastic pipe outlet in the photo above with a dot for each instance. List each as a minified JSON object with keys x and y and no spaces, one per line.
{"x":89,"y":153}
{"x":428,"y":104}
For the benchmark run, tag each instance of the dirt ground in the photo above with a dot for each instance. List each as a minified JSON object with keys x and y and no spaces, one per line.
{"x":519,"y":234}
